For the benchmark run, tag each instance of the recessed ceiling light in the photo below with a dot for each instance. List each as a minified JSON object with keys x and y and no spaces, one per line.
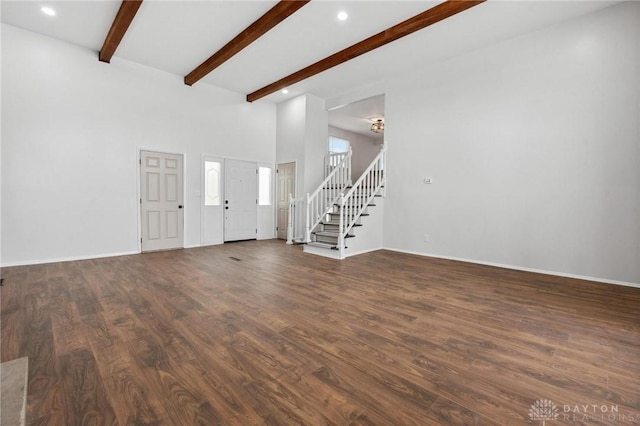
{"x":48,"y":11}
{"x":285,"y":91}
{"x":342,"y":15}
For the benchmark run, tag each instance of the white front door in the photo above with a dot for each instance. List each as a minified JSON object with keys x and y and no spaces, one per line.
{"x":286,"y":186}
{"x":161,"y":201}
{"x":240,"y":200}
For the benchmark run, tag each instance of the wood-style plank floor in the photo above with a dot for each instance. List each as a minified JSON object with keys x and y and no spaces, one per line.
{"x":258,"y":333}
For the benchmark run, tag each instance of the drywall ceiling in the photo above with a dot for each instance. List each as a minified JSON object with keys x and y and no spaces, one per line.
{"x":176,"y":36}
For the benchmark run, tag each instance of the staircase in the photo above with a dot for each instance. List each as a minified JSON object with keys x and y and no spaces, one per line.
{"x":326,"y":219}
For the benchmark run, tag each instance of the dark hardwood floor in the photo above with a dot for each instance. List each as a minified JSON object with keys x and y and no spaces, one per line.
{"x":259,"y":333}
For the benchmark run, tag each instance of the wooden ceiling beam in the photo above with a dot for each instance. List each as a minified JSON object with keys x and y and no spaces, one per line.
{"x":411,"y":25}
{"x":119,"y":27}
{"x":278,"y":13}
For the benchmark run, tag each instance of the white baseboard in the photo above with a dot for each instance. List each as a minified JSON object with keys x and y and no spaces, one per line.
{"x":66,"y":259}
{"x":348,"y":254}
{"x":518,"y":268}
{"x":321,"y":251}
{"x":215,"y":243}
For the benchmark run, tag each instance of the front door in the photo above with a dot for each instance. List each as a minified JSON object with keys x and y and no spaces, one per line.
{"x":161,"y":201}
{"x":286,"y":186}
{"x":240,"y":200}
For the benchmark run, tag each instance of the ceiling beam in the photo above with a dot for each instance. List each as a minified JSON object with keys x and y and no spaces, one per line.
{"x":278,"y":13}
{"x":126,"y":13}
{"x":411,"y":25}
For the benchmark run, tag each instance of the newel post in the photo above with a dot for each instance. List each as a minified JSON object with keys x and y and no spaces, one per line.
{"x":307,"y":231}
{"x":290,"y":213}
{"x":341,"y":227}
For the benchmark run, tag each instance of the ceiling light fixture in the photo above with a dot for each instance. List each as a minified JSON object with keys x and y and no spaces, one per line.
{"x":285,"y":91}
{"x":342,"y":15}
{"x":48,"y":11}
{"x":377,"y":126}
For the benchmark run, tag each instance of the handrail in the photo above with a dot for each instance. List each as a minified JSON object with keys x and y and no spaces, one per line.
{"x":321,"y":202}
{"x":355,"y":201}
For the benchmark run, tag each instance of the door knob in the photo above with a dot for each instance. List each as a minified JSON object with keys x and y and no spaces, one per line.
{"x":226,"y":208}
{"x":180,"y":206}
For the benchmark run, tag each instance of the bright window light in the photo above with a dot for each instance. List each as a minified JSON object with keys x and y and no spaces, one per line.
{"x":264,"y":186}
{"x":212,"y":183}
{"x":338,"y":145}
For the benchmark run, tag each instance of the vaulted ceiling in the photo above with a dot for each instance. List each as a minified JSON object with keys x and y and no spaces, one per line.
{"x":178,"y":36}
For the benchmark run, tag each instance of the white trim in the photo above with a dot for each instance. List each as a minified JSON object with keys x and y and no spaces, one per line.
{"x":519,"y":268}
{"x":347,"y":254}
{"x":209,"y":244}
{"x":190,"y":246}
{"x":66,"y":259}
{"x":321,"y":251}
{"x":210,"y":157}
{"x":139,"y":192}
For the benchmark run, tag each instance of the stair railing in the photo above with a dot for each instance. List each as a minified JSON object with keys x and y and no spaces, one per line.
{"x":323,"y":199}
{"x":296,"y":220}
{"x":331,"y":161}
{"x":355,"y":201}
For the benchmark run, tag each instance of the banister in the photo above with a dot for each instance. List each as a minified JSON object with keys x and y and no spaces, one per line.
{"x":333,"y":173}
{"x":330,"y":189}
{"x":365,"y":188}
{"x":383,"y":150}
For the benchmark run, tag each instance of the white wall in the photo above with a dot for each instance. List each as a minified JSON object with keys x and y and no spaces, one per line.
{"x":370,"y":235}
{"x":302,"y":135}
{"x":316,"y":142}
{"x":364,"y":149}
{"x":534,"y":148}
{"x":71,"y":130}
{"x":290,"y":133}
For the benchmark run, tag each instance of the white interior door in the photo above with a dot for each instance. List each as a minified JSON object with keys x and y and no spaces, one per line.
{"x":241,"y":200}
{"x":161,"y":201}
{"x":286,"y":186}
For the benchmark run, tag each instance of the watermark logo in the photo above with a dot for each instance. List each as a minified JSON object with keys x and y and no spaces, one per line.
{"x":543,"y":410}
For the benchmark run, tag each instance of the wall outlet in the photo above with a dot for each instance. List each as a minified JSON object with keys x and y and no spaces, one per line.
{"x":428,"y":180}
{"x":426,"y":238}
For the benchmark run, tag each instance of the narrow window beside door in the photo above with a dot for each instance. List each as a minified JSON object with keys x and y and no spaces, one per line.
{"x":264,"y":186}
{"x":212,"y":183}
